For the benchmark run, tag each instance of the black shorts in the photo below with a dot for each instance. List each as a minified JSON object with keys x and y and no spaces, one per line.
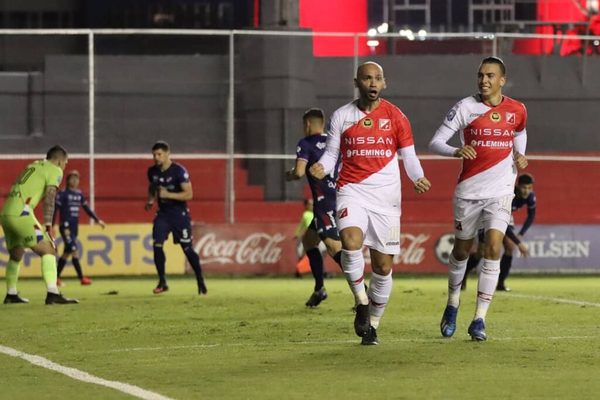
{"x":178,"y":224}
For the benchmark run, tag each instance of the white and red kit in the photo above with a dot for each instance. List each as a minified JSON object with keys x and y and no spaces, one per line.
{"x":368,"y":144}
{"x":495,"y":133}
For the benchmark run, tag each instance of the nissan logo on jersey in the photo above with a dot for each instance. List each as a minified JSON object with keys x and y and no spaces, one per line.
{"x":491,"y":132}
{"x":368,"y":140}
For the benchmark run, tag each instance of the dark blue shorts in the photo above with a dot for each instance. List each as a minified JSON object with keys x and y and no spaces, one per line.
{"x":177,"y":224}
{"x":68,"y":233}
{"x":324,"y":223}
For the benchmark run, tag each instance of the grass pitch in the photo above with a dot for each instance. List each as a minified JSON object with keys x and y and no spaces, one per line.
{"x":254,"y":339}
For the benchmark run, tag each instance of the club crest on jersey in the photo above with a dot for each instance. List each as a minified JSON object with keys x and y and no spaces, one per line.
{"x":385,"y":124}
{"x":342,"y":213}
{"x":451,"y":114}
{"x":458,"y":225}
{"x":510,"y":118}
{"x":367,"y":123}
{"x":495,"y":116}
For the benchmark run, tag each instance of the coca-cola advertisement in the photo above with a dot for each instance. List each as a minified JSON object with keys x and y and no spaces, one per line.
{"x":271,"y":249}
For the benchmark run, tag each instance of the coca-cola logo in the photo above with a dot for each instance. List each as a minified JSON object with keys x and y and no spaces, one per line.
{"x":256,"y":248}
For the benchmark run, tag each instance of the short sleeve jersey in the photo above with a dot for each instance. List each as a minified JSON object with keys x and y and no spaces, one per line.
{"x":490,"y":131}
{"x":368,"y":146}
{"x":30,"y":187}
{"x":171,"y":179}
{"x":310,"y":149}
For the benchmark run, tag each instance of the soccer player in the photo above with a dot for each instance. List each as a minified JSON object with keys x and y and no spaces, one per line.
{"x":22,"y":230}
{"x":493,"y":139}
{"x":170,"y":186}
{"x":366,"y":134}
{"x":322,"y":227}
{"x":68,"y":202}
{"x":524,"y":195}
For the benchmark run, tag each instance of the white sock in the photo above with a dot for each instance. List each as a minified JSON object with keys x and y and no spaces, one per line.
{"x":353,"y":264}
{"x":12,"y":291}
{"x":380,"y":288}
{"x":52,"y":289}
{"x":456,"y":274}
{"x":488,"y":279}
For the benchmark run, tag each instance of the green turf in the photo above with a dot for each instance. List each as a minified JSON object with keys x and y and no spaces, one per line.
{"x":254,"y":339}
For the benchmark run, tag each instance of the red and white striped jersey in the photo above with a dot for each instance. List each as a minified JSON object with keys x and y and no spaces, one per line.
{"x":368,"y":145}
{"x":491,"y":131}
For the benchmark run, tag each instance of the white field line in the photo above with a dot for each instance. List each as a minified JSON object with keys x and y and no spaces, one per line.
{"x":554,"y":299}
{"x":126,"y":388}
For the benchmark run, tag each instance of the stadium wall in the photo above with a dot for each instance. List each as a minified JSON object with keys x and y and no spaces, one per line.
{"x":142,"y":98}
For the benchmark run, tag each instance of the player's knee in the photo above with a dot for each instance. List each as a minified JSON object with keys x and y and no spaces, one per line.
{"x":492,"y":251}
{"x":459,"y":253}
{"x":351,"y":239}
{"x":382,"y":268}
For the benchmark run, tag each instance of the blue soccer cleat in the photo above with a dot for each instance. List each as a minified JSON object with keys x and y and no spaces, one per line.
{"x":477,"y":330}
{"x":448,"y":323}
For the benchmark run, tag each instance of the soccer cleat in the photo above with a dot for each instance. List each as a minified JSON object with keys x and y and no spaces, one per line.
{"x":57,"y":298}
{"x":370,"y":339}
{"x":316,"y":298}
{"x":14,"y":299}
{"x":503,"y":288}
{"x":202,"y":287}
{"x":361,"y":320}
{"x":448,"y":322}
{"x":85,"y":281}
{"x":160,"y":288}
{"x":477,"y":330}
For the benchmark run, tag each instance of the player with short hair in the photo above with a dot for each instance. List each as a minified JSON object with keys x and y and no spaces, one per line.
{"x":492,"y":130}
{"x":367,"y":134}
{"x":68,"y":202}
{"x":170,"y":186}
{"x":323,"y":226}
{"x":38,"y":180}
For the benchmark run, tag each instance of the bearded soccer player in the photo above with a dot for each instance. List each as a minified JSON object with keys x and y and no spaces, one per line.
{"x":322,"y":227}
{"x":493,"y":139}
{"x":367,"y":134}
{"x":170,"y":186}
{"x":38,"y":180}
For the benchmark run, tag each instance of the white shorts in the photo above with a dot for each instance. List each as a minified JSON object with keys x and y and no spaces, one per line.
{"x":380,"y":232}
{"x":470,"y":215}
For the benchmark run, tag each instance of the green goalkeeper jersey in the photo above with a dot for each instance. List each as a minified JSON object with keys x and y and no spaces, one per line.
{"x":30,"y":187}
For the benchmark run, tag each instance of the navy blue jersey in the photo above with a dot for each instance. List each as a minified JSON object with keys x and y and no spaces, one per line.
{"x":171,"y":179}
{"x":530,"y":202}
{"x":310,"y":149}
{"x":68,"y":202}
